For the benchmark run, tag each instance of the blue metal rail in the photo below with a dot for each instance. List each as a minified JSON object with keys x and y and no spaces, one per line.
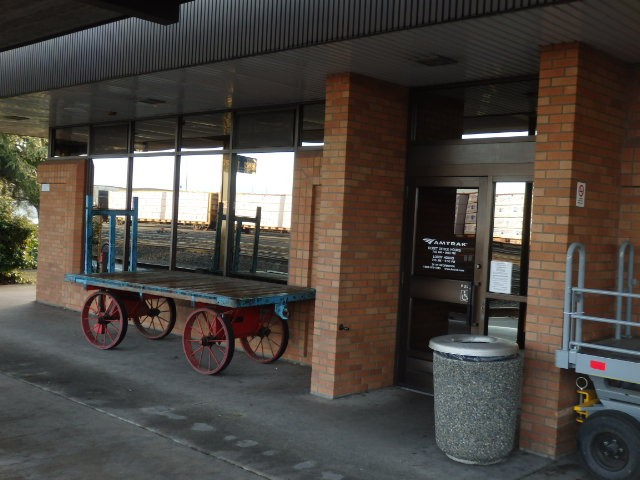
{"x":90,"y":212}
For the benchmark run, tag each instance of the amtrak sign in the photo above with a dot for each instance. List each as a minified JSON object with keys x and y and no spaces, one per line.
{"x":445,"y":255}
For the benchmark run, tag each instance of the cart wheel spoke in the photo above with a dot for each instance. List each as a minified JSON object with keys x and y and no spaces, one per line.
{"x":103,"y":320}
{"x":157,"y":317}
{"x":208,"y":341}
{"x":269,"y":341}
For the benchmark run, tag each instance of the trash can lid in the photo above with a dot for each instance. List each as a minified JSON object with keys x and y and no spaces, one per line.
{"x":474,"y":346}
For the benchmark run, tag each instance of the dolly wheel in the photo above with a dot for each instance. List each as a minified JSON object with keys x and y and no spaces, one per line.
{"x":609,"y":442}
{"x":208,"y":341}
{"x":270,"y":341}
{"x":159,"y":318}
{"x":104,"y":320}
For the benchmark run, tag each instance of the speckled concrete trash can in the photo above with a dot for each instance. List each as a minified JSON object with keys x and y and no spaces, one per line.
{"x":476,"y":383}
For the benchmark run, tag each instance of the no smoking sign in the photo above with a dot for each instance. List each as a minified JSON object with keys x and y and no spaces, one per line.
{"x":581,"y":193}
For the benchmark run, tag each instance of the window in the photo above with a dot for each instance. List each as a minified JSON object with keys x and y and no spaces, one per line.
{"x":70,"y":142}
{"x":264,"y":184}
{"x":192,"y":174}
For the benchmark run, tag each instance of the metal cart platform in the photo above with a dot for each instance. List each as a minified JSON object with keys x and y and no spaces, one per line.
{"x":225,"y":309}
{"x":609,"y":365}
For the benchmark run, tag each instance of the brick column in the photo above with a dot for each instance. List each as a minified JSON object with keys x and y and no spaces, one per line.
{"x":61,"y":231}
{"x":306,"y":179}
{"x":358,"y":231}
{"x":581,"y":122}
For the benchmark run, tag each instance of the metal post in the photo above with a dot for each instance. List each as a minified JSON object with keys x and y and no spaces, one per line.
{"x":88,"y":240}
{"x":133,"y":257}
{"x":625,"y":248}
{"x":112,"y":242}
{"x":256,"y":240}
{"x":572,"y":304}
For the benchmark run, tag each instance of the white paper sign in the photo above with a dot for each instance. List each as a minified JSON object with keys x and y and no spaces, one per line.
{"x":581,"y":193}
{"x":500,"y":277}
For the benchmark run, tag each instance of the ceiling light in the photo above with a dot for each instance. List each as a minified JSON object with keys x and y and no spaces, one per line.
{"x":15,"y":117}
{"x":436,"y":60}
{"x":152,"y":101}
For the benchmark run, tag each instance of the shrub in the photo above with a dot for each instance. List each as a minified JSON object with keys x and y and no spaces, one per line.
{"x":19,"y":244}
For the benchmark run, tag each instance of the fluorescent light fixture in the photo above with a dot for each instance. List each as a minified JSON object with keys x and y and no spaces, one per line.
{"x":495,"y":135}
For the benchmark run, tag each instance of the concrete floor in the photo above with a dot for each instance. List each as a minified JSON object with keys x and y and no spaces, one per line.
{"x":70,"y":411}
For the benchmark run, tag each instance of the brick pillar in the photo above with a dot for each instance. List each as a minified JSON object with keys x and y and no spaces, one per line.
{"x":581,"y":122}
{"x":358,"y":231}
{"x":61,"y":231}
{"x":306,"y":179}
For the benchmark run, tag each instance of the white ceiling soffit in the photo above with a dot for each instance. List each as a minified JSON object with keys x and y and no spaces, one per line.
{"x":485,"y":48}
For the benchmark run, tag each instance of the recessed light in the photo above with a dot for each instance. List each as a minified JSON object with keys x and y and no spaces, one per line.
{"x":15,"y":117}
{"x":436,"y":60}
{"x":152,"y":101}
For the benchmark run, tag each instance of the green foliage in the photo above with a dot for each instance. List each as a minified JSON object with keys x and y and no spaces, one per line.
{"x":19,"y":245}
{"x":19,"y":160}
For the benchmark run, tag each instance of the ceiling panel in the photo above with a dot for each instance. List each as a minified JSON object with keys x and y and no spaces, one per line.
{"x":492,"y":47}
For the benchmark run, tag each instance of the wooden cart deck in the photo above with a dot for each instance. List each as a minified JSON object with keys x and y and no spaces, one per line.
{"x":196,"y":287}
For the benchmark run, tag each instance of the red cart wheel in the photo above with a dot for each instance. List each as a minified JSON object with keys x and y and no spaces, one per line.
{"x":104,"y":320}
{"x":159,"y":318}
{"x":271,"y":340}
{"x":208,"y":341}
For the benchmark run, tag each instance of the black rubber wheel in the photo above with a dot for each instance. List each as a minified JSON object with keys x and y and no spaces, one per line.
{"x":609,"y":443}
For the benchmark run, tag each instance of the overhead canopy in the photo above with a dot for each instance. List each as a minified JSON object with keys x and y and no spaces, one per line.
{"x":245,"y":54}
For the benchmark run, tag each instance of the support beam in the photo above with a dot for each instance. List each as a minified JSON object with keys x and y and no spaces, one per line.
{"x":164,"y":12}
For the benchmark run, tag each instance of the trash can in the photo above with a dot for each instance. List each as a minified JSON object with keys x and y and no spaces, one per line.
{"x":476,"y":384}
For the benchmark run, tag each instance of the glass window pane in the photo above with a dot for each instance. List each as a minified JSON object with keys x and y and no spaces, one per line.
{"x":153,"y":185}
{"x":109,"y":193}
{"x":264,"y":129}
{"x":70,"y":142}
{"x":264,"y":187}
{"x":158,"y":135}
{"x":445,"y":244}
{"x":110,"y":139}
{"x":503,"y":318}
{"x":200,"y":194}
{"x":312,"y":129}
{"x":506,"y":238}
{"x":200,"y":132}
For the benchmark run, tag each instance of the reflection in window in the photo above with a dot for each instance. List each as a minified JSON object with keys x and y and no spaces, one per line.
{"x":506,"y":239}
{"x":110,"y":139}
{"x":70,"y":142}
{"x":200,"y":194}
{"x":158,"y":135}
{"x":446,"y":232}
{"x":312,"y":125}
{"x":109,"y":193}
{"x":264,"y":129}
{"x":153,"y":185}
{"x":264,"y":183}
{"x":208,"y":131}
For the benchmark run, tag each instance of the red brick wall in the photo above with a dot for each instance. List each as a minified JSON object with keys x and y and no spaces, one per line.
{"x":61,"y":231}
{"x":358,"y":226}
{"x":581,"y":127}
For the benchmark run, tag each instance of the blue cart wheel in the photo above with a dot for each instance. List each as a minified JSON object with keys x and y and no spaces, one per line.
{"x":104,"y":320}
{"x":208,"y":341}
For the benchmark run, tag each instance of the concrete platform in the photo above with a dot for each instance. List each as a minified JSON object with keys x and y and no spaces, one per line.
{"x":69,"y":411}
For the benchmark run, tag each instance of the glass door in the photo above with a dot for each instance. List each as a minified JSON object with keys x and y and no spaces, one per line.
{"x":466,"y":266}
{"x":444,"y":269}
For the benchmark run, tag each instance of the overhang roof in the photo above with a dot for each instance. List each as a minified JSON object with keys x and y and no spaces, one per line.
{"x":495,"y":46}
{"x":25,"y":22}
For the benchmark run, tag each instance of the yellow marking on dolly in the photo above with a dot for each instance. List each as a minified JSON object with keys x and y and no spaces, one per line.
{"x":588,"y":398}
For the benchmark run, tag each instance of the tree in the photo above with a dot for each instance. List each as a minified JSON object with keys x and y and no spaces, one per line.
{"x":19,"y":160}
{"x":18,"y":248}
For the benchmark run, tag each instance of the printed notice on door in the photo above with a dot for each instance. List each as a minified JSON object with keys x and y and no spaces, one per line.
{"x":500,"y":277}
{"x":445,"y":255}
